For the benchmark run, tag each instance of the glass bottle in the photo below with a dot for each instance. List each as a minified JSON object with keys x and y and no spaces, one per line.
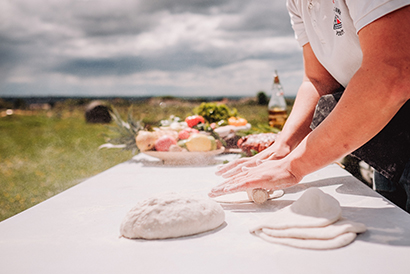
{"x":277,"y":105}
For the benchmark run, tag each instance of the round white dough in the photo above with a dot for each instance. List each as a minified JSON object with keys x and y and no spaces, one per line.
{"x":317,"y":204}
{"x":172,"y":215}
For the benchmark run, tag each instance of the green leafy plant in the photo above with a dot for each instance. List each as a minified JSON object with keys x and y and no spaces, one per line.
{"x":215,"y":112}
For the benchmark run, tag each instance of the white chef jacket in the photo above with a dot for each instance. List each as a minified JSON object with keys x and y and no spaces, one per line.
{"x":331,"y":27}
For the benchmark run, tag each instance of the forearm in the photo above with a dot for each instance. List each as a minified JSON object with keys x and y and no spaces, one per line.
{"x":317,"y":82}
{"x":374,"y":95}
{"x":297,"y":125}
{"x":366,"y":106}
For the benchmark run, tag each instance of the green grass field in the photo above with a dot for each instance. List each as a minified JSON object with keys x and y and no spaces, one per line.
{"x":42,"y":156}
{"x":46,"y":152}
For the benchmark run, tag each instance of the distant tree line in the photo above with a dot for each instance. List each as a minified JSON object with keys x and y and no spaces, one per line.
{"x":24,"y":103}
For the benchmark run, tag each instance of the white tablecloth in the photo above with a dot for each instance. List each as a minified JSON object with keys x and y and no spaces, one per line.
{"x":77,"y":231}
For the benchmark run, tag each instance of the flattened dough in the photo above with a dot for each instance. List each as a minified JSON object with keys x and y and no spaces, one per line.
{"x":336,"y":242}
{"x":313,"y":209}
{"x":321,"y":233}
{"x":312,"y":222}
{"x":172,"y":215}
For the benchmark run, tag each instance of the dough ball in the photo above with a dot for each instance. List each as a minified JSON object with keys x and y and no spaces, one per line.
{"x":258,"y":195}
{"x":172,"y":215}
{"x":243,"y":197}
{"x":317,"y":204}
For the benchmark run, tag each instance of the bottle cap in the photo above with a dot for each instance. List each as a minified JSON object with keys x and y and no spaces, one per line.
{"x":276,"y":78}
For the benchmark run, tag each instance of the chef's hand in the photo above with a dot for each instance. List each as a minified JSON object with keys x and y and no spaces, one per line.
{"x":271,"y":174}
{"x":274,"y":152}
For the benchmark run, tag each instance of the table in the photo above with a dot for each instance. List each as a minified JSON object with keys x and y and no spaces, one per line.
{"x":77,"y":231}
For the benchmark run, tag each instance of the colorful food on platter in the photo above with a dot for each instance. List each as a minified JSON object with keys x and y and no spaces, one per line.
{"x":211,"y":127}
{"x":199,"y":142}
{"x":255,"y":143}
{"x":192,"y":135}
{"x":146,"y":140}
{"x":164,"y":142}
{"x":237,"y":121}
{"x":186,"y":140}
{"x":194,"y":120}
{"x":186,"y":133}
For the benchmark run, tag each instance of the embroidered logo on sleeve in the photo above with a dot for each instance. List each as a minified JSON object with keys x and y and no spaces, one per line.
{"x":337,"y":22}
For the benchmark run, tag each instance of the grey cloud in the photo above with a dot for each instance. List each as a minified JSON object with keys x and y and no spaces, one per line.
{"x":176,"y":61}
{"x":99,"y":20}
{"x":180,"y":6}
{"x":262,"y":18}
{"x":53,"y":36}
{"x":177,"y":58}
{"x":115,"y":25}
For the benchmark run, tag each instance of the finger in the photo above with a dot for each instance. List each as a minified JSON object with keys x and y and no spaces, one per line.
{"x":238,"y":187}
{"x":263,"y":155}
{"x":219,"y":191}
{"x":240,"y":183}
{"x":232,"y":172}
{"x":237,"y":170}
{"x":221,"y":188}
{"x":226,"y":167}
{"x":236,"y":162}
{"x":215,"y":193}
{"x":232,"y":180}
{"x":230,"y":169}
{"x":245,"y":182}
{"x":271,"y":157}
{"x":245,"y":169}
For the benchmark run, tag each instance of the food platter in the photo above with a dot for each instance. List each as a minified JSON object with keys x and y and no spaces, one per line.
{"x":185,"y":157}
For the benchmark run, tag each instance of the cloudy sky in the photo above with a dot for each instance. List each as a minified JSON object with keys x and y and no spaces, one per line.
{"x":146,"y":47}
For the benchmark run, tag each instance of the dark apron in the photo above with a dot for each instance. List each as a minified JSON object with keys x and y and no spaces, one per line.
{"x":388,"y":151}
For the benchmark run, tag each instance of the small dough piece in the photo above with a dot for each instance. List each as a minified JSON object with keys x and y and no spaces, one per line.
{"x":258,"y":195}
{"x":172,"y":215}
{"x":243,"y":197}
{"x":313,"y":209}
{"x":316,"y":203}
